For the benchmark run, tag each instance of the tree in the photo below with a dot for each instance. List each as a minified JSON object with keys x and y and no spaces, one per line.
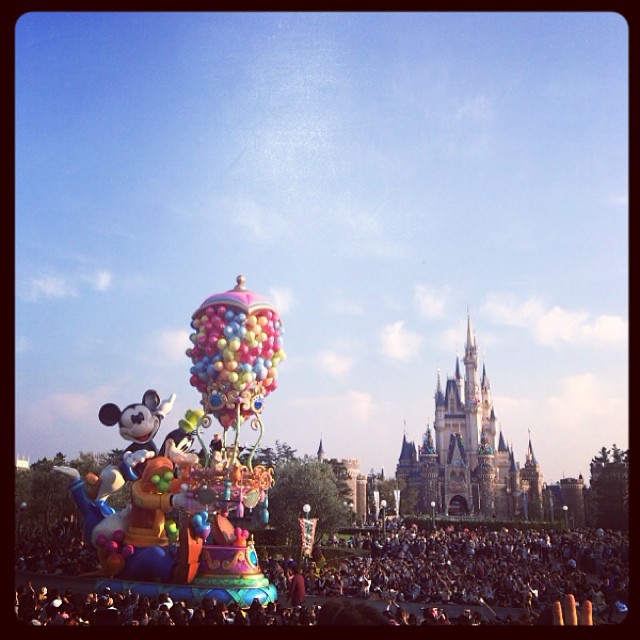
{"x":49,"y":500}
{"x":610,"y":488}
{"x":409,"y":501}
{"x":307,"y":481}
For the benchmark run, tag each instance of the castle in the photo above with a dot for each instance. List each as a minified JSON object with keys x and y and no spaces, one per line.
{"x":459,"y":466}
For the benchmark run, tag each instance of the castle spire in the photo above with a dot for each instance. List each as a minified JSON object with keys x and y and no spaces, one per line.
{"x":320,"y":451}
{"x":471,"y":339}
{"x":530,"y":455}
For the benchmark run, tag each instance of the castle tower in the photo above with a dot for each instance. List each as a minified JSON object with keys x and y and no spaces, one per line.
{"x":533,"y":476}
{"x":572,"y":491}
{"x":485,"y":473}
{"x":472,"y":399}
{"x":429,"y":488}
{"x":320,"y":452}
{"x":407,"y":460}
{"x":360,"y":502}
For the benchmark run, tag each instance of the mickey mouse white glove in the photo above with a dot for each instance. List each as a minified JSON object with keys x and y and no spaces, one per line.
{"x":134,"y":458}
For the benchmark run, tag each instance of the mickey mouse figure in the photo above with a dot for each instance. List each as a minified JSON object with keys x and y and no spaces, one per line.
{"x":138,"y":423}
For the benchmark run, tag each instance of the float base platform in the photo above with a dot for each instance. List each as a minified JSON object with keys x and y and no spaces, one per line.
{"x":243,"y":592}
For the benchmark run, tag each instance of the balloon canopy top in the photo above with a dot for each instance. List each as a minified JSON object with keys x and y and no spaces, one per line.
{"x":239,"y":297}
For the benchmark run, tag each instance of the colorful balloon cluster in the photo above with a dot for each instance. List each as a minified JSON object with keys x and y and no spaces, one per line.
{"x":201,"y":525}
{"x":237,"y":346}
{"x":114,"y":553}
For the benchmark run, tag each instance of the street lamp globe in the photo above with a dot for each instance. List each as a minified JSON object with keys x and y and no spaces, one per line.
{"x":433,"y":504}
{"x":383,"y":504}
{"x":306,"y":508}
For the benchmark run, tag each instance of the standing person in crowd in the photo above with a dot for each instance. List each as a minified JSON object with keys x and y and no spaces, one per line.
{"x":105,"y":613}
{"x":297,"y":588}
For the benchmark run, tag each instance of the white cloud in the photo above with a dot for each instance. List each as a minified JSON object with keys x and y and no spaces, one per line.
{"x":101,"y":281}
{"x":49,"y":287}
{"x":61,"y":408}
{"x":359,"y":406}
{"x":431,"y":302}
{"x":399,"y":343}
{"x":334,"y":365}
{"x":584,"y":400}
{"x":282,"y":299}
{"x":506,"y":310}
{"x":557,"y":325}
{"x":54,"y":286}
{"x":168,"y":347}
{"x":254,"y":221}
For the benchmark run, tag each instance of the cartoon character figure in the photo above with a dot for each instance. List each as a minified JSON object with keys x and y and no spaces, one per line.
{"x":138,"y":423}
{"x":154,"y":495}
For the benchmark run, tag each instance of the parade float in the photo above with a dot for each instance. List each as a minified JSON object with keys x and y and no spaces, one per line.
{"x":186,"y":531}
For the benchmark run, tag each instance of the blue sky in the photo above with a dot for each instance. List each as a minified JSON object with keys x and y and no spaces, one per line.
{"x":374,"y":175}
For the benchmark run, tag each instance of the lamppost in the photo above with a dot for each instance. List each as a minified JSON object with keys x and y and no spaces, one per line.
{"x":509,"y":502}
{"x":565,"y":508}
{"x":22,"y":512}
{"x":433,"y":514}
{"x":383,"y":504}
{"x":306,"y":508}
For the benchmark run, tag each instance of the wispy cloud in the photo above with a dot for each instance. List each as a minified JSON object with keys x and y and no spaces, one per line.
{"x":398,"y":343}
{"x":53,"y":286}
{"x":58,"y":409}
{"x":100,"y":281}
{"x":166,"y":348}
{"x":48,"y":287}
{"x":555,"y":325}
{"x":282,"y":299}
{"x":431,"y":302}
{"x":558,"y":325}
{"x":255,"y":222}
{"x":583,"y":398}
{"x":335,"y":365}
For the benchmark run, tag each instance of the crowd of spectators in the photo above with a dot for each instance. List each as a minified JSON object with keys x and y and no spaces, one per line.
{"x":527,"y":569}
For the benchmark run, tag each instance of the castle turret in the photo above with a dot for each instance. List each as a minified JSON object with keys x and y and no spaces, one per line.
{"x":429,"y":474}
{"x":486,"y":476}
{"x":572,"y":491}
{"x":472,"y":398}
{"x":533,"y":476}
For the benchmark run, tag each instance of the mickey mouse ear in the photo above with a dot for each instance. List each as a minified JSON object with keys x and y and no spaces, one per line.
{"x":109,"y":414}
{"x":151,"y":399}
